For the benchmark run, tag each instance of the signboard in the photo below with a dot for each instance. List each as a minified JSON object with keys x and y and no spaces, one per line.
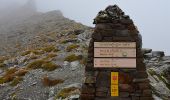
{"x":114,"y":62}
{"x":115,"y":54}
{"x":115,"y":44}
{"x":114,"y":84}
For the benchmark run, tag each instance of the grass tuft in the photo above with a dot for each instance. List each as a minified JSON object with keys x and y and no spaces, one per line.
{"x":12,"y":74}
{"x":16,"y":81}
{"x":45,"y":65}
{"x":65,"y":92}
{"x":73,"y":57}
{"x":2,"y":65}
{"x":71,"y":47}
{"x":49,"y":66}
{"x":50,"y":49}
{"x":36,"y":52}
{"x":48,"y":82}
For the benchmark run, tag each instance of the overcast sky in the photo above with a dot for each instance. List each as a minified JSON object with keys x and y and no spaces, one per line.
{"x":152,"y":17}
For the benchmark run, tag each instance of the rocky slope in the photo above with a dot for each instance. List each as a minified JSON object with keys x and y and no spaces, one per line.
{"x":158,"y":68}
{"x":43,"y":58}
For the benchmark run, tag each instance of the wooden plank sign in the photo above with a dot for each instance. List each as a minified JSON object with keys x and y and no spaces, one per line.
{"x":115,"y":44}
{"x":115,"y":54}
{"x":114,"y":63}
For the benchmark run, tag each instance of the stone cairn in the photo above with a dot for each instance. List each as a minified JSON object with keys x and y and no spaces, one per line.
{"x":112,"y":25}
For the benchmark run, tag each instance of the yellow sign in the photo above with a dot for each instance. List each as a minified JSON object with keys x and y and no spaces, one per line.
{"x":114,"y":78}
{"x":114,"y":84}
{"x":114,"y":90}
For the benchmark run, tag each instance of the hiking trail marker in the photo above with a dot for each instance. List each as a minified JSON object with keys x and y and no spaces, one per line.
{"x":115,"y":69}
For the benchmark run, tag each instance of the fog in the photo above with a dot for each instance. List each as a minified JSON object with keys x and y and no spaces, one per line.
{"x":150,"y":16}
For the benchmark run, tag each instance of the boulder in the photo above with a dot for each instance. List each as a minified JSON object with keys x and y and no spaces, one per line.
{"x":146,"y":50}
{"x":74,"y":65}
{"x":158,"y":54}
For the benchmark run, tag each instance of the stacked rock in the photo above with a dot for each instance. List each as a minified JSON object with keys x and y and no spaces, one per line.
{"x":112,"y":25}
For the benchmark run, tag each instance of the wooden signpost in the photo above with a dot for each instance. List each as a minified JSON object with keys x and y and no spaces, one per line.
{"x":115,"y":54}
{"x":115,"y":68}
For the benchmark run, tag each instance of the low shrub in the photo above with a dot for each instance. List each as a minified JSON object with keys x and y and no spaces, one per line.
{"x":2,"y":59}
{"x":8,"y":76}
{"x":50,"y":49}
{"x":73,"y":57}
{"x":36,"y":52}
{"x":16,"y":81}
{"x":45,"y":65}
{"x":65,"y":92}
{"x":49,"y":82}
{"x":71,"y":47}
{"x":36,"y":64}
{"x":49,"y":66}
{"x":13,"y":74}
{"x":2,"y":65}
{"x":21,"y":72}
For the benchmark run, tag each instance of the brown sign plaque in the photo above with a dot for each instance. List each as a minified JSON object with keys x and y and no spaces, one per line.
{"x":115,"y":44}
{"x":115,"y":54}
{"x":114,"y":62}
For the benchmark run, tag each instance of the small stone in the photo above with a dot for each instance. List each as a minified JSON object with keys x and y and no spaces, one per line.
{"x":141,"y":74}
{"x":102,"y":89}
{"x":167,"y":61}
{"x":74,"y":97}
{"x":124,"y":94}
{"x":90,"y":80}
{"x":145,"y":85}
{"x":158,"y":54}
{"x":125,"y":88}
{"x":97,"y":36}
{"x":87,"y":97}
{"x":66,"y":63}
{"x":101,"y":94}
{"x":74,"y":65}
{"x":148,"y":55}
{"x":135,"y":98}
{"x":107,"y":39}
{"x":154,"y":59}
{"x":146,"y":98}
{"x":147,"y":92}
{"x":126,"y":98}
{"x":87,"y":89}
{"x":1,"y":71}
{"x":122,"y":33}
{"x":146,"y":50}
{"x":140,"y":80}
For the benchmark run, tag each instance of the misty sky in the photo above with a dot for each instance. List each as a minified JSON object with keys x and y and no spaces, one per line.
{"x":150,"y":16}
